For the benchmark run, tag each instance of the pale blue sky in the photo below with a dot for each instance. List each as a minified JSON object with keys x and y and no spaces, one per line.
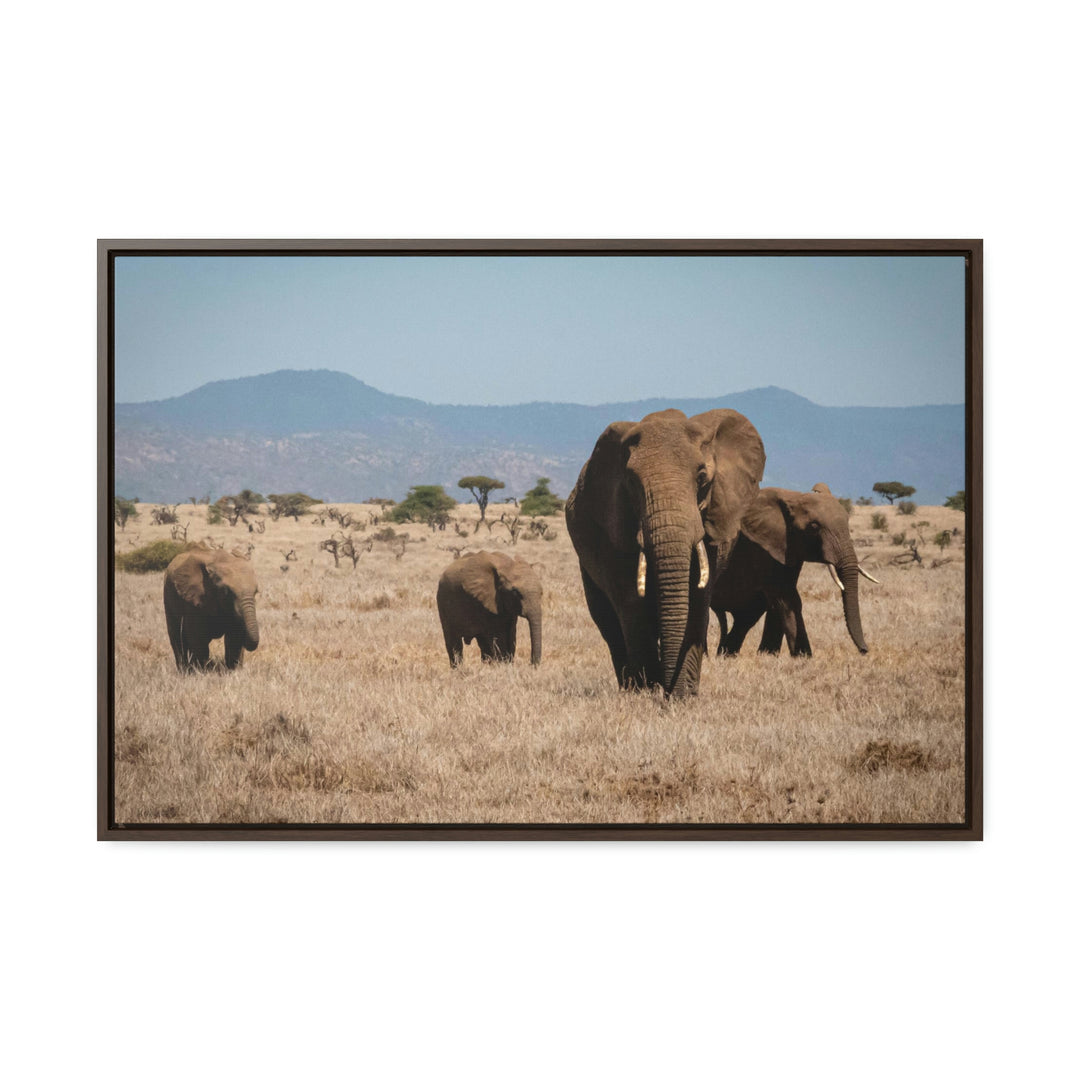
{"x":840,"y":330}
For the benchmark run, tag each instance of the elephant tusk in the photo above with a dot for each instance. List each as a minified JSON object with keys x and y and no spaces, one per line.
{"x":641,"y":574}
{"x":869,"y":577}
{"x":703,"y":565}
{"x":833,"y":575}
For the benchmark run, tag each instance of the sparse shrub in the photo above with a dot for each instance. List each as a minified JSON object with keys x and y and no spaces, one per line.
{"x":149,"y":558}
{"x":291,"y":505}
{"x":386,"y":534}
{"x":164,"y":515}
{"x":899,"y":538}
{"x":124,"y":510}
{"x":943,"y":539}
{"x":864,"y":500}
{"x":906,"y":507}
{"x":877,"y":521}
{"x":214,"y":516}
{"x":846,"y":504}
{"x":541,"y":501}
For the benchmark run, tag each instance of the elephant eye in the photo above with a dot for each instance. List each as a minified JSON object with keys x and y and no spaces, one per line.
{"x":815,"y":526}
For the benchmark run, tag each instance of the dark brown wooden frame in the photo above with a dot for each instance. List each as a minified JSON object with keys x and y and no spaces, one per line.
{"x":970,"y":829}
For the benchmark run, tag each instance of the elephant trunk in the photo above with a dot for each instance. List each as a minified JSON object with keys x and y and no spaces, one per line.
{"x":251,"y":626}
{"x":532,"y":616}
{"x":849,"y":575}
{"x":669,"y":539}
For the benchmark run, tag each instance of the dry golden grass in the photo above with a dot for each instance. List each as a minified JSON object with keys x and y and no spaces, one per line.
{"x":349,"y":710}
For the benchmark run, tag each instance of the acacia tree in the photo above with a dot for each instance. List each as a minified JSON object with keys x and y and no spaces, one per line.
{"x":481,"y":488}
{"x":238,"y":507}
{"x":957,"y":502}
{"x":423,"y":501}
{"x":893,"y":490}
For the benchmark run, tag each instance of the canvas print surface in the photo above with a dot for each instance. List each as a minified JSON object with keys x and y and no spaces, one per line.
{"x":539,"y":539}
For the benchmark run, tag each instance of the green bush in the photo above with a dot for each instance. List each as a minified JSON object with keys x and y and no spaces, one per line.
{"x":877,"y":521}
{"x":957,"y":502}
{"x":899,"y":538}
{"x":541,"y":501}
{"x":151,"y":557}
{"x":906,"y":507}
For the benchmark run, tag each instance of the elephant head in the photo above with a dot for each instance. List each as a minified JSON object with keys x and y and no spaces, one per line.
{"x":796,"y":527}
{"x":516,"y":590}
{"x":657,"y":497}
{"x":220,"y":586}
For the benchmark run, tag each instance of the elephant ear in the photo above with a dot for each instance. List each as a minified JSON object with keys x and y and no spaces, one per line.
{"x":733,"y":449}
{"x":485,"y":587}
{"x":605,"y":466}
{"x":600,"y":494}
{"x":188,"y":576}
{"x":766,"y":523}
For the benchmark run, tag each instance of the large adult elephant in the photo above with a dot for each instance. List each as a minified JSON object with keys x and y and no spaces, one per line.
{"x":210,"y":594}
{"x":482,"y":596}
{"x":780,"y":531}
{"x":655,"y":498}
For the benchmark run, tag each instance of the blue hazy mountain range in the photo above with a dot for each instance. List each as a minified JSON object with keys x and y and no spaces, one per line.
{"x":336,"y":438}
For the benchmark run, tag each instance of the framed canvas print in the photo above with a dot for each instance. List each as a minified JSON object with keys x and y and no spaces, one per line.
{"x":540,"y":539}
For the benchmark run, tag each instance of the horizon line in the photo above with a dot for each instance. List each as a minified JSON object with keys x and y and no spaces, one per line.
{"x":519,"y":404}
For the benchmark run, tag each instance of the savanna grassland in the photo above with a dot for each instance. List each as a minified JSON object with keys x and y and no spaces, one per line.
{"x":349,"y":710}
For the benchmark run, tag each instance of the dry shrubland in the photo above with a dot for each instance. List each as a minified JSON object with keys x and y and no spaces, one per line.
{"x":349,"y":710}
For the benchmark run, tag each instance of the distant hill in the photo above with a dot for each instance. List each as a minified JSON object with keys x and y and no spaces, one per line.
{"x":339,"y":439}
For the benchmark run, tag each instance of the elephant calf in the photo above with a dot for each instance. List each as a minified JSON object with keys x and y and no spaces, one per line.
{"x":481,"y":596}
{"x":779,"y":532}
{"x":210,"y":594}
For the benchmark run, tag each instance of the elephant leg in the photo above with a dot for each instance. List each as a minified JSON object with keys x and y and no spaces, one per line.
{"x":504,"y":643}
{"x":455,"y":647}
{"x":607,"y":622}
{"x":721,"y":617}
{"x":173,"y":623}
{"x":196,"y":648}
{"x":777,"y":628}
{"x":798,"y":642}
{"x":234,"y":648}
{"x":742,"y":622}
{"x":642,"y":666}
{"x":487,"y":647}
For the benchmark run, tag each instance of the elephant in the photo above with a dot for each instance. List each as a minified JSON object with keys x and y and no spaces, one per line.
{"x":780,"y":531}
{"x":210,"y":594}
{"x":656,"y":496}
{"x":481,"y":596}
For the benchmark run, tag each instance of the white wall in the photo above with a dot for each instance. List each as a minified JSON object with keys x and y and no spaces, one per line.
{"x":595,"y":120}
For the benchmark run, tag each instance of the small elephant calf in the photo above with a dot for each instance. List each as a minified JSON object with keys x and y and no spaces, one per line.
{"x":482,"y":596}
{"x":210,"y":594}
